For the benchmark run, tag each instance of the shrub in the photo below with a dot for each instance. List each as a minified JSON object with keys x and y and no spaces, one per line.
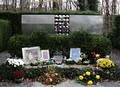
{"x":17,"y":42}
{"x":109,"y":74}
{"x":69,"y":73}
{"x":39,"y":38}
{"x":14,"y":18}
{"x":34,"y":73}
{"x":5,"y":34}
{"x":102,"y":45}
{"x":80,"y":39}
{"x":61,"y":43}
{"x":115,"y":33}
{"x":5,"y":72}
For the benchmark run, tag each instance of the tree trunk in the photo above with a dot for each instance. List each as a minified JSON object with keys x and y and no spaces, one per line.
{"x":108,"y":17}
{"x":40,"y":4}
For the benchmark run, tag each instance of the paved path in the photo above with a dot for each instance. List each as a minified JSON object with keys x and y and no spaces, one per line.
{"x":4,"y":56}
{"x":68,"y":83}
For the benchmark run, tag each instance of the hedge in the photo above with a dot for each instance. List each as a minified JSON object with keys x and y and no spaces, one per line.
{"x":5,"y":34}
{"x":61,"y":43}
{"x":115,"y":34}
{"x":15,"y":19}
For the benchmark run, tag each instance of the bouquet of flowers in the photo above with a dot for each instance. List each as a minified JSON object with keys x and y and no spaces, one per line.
{"x":16,"y":66}
{"x":18,"y":74}
{"x":105,"y":63}
{"x":88,"y":78}
{"x":51,"y":77}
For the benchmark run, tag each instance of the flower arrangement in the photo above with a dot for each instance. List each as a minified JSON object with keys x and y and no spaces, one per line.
{"x":51,"y":77}
{"x":88,"y":78}
{"x":18,"y":74}
{"x":69,"y":61}
{"x":105,"y":63}
{"x":14,"y":63}
{"x":17,"y":68}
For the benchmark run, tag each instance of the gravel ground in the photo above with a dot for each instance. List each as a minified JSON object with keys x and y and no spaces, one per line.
{"x":116,"y":56}
{"x":68,"y":83}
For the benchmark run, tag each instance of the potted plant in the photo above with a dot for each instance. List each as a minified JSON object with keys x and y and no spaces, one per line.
{"x":88,"y":78}
{"x":17,"y":68}
{"x":18,"y":75}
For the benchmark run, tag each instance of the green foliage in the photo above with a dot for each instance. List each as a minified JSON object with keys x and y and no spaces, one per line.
{"x":81,"y":5}
{"x":88,"y":78}
{"x":14,"y":18}
{"x":5,"y":72}
{"x":115,"y":34}
{"x":101,"y":45}
{"x":80,"y":39}
{"x":69,"y":73}
{"x":55,"y":6}
{"x":40,"y":38}
{"x":91,"y":5}
{"x":17,"y":42}
{"x":61,"y":43}
{"x":34,"y":73}
{"x":70,"y":62}
{"x":5,"y":34}
{"x":109,"y":74}
{"x":72,"y":73}
{"x":40,"y":74}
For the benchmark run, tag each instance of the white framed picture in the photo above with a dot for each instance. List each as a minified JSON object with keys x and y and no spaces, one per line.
{"x":75,"y":53}
{"x":31,"y":54}
{"x":45,"y":55}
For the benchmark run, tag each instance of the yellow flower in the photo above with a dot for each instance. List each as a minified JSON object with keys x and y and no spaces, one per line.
{"x":88,"y":73}
{"x":81,"y":77}
{"x":90,"y":82}
{"x":97,"y":77}
{"x":105,"y":63}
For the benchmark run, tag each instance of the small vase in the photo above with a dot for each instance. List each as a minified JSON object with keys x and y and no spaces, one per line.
{"x":18,"y":80}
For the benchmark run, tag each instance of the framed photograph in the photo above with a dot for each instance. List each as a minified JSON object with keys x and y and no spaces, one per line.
{"x":45,"y":55}
{"x":75,"y":53}
{"x":31,"y":54}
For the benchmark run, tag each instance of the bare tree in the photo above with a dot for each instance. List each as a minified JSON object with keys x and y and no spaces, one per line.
{"x":75,"y":4}
{"x":60,"y":4}
{"x":114,"y":7}
{"x":14,"y":5}
{"x":50,"y":5}
{"x":5,"y":4}
{"x":40,"y":5}
{"x":110,"y":10}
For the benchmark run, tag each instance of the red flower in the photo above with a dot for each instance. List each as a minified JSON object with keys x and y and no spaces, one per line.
{"x":18,"y":74}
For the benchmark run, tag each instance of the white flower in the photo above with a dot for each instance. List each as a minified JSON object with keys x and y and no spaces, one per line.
{"x":15,"y":62}
{"x":69,"y":59}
